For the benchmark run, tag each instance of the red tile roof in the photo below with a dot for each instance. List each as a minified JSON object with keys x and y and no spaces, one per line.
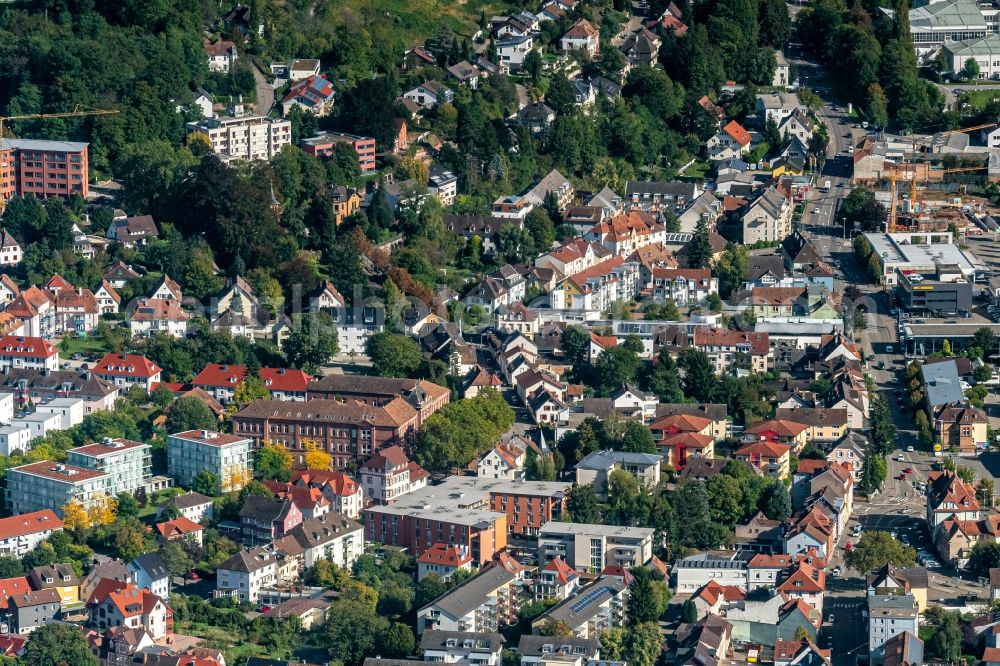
{"x":29,"y":523}
{"x":26,"y":347}
{"x":220,"y":375}
{"x":758,"y":343}
{"x":100,"y":449}
{"x":11,"y":586}
{"x":340,"y":483}
{"x":564,"y":572}
{"x":781,"y":427}
{"x":284,"y":379}
{"x":126,"y":365}
{"x":446,"y":555}
{"x":764,"y":448}
{"x":737,"y":132}
{"x":178,"y":527}
{"x":680,"y":423}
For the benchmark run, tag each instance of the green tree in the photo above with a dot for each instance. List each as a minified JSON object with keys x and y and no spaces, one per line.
{"x":637,"y":438}
{"x":190,"y":413}
{"x":126,"y":506}
{"x":776,"y":502}
{"x":583,"y":505}
{"x":206,"y":483}
{"x":983,"y":557}
{"x":617,"y":366}
{"x":775,"y":26}
{"x":428,"y":589}
{"x":178,"y":562}
{"x":699,"y":250}
{"x":970,"y":71}
{"x":575,"y":343}
{"x":700,"y":381}
{"x":875,"y":549}
{"x":57,"y":644}
{"x":724,"y":499}
{"x":642,"y":645}
{"x":665,"y":381}
{"x":542,"y":229}
{"x":351,"y":632}
{"x":532,"y":65}
{"x":162,"y":396}
{"x":560,"y":96}
{"x":273,"y":462}
{"x":394,"y":355}
{"x":648,"y":596}
{"x":10,"y":567}
{"x":689,"y":612}
{"x":249,"y":389}
{"x":945,"y":641}
{"x":312,"y":342}
{"x":397,"y":641}
{"x":986,"y":340}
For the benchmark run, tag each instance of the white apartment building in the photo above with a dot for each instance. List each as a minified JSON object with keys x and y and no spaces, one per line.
{"x":14,"y":438}
{"x":889,"y":616}
{"x":69,"y":410}
{"x":333,"y":537}
{"x":129,"y":463}
{"x":245,"y":137}
{"x":226,"y":456}
{"x":49,"y":485}
{"x":6,"y":407}
{"x":19,"y":535}
{"x":17,"y":351}
{"x":37,"y":423}
{"x":244,"y":575}
{"x":588,"y":547}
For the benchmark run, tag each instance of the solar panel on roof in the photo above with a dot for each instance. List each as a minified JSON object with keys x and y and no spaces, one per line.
{"x":589,"y":598}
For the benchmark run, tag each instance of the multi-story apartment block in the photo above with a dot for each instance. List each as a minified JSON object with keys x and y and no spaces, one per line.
{"x":42,"y":168}
{"x":483,"y":603}
{"x":124,"y":370}
{"x":592,"y":610}
{"x":228,"y":457}
{"x":69,"y":410}
{"x":348,"y":431}
{"x":592,"y":547}
{"x":888,"y":616}
{"x":48,"y":485}
{"x":128,"y":463}
{"x":27,"y":352}
{"x":389,"y":474}
{"x":245,"y":137}
{"x":729,"y":349}
{"x":19,"y":535}
{"x":333,"y":537}
{"x":323,"y":145}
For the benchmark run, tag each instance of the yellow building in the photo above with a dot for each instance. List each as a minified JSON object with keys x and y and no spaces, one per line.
{"x":59,"y":577}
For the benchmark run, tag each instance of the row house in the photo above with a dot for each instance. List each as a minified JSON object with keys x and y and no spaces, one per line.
{"x":220,"y":381}
{"x":685,"y":286}
{"x":628,"y":232}
{"x":823,"y":425}
{"x":390,"y":474}
{"x":345,"y":495}
{"x":31,"y":353}
{"x":729,"y":349}
{"x":597,"y":287}
{"x":348,"y":431}
{"x":128,"y":370}
{"x":574,"y":257}
{"x":680,"y":437}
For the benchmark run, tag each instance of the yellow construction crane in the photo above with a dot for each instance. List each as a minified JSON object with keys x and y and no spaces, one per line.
{"x":65,"y":114}
{"x":894,"y":175}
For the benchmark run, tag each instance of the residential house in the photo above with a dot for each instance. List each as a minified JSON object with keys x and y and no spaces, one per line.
{"x":27,"y":352}
{"x":591,"y":548}
{"x":948,"y":497}
{"x":108,"y":299}
{"x":191,"y":505}
{"x":430,"y":94}
{"x":443,"y":560}
{"x":961,"y":427}
{"x":30,"y":610}
{"x":592,"y":610}
{"x":899,"y":581}
{"x":20,"y":534}
{"x":221,"y":55}
{"x":132,"y":231}
{"x":180,"y":529}
{"x":128,"y":462}
{"x":149,"y":572}
{"x":536,"y":116}
{"x":324,"y":144}
{"x":47,"y":485}
{"x":149,"y":316}
{"x":513,"y":50}
{"x":504,"y":461}
{"x":768,"y":217}
{"x":332,"y":537}
{"x":626,"y":233}
{"x":313,"y":94}
{"x":889,"y":616}
{"x":264,"y":519}
{"x":776,"y":107}
{"x":729,"y":142}
{"x":484,"y":603}
{"x":730,"y":349}
{"x":681,"y":437}
{"x":823,"y":425}
{"x":245,"y":574}
{"x":684,"y":286}
{"x":465,"y":73}
{"x":596,"y":468}
{"x":59,"y":577}
{"x":389,"y":474}
{"x":556,"y":580}
{"x":771,"y":458}
{"x":10,"y":249}
{"x":582,"y":36}
{"x":641,"y":47}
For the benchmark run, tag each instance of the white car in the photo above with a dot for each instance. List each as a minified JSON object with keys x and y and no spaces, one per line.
{"x":909,"y":449}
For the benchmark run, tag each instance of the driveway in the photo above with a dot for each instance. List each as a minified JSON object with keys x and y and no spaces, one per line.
{"x":265,"y":93}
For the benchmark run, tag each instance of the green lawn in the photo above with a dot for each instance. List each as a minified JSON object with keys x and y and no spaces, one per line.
{"x":157,"y":498}
{"x":86,"y":346}
{"x":978,"y":99}
{"x":697,"y":170}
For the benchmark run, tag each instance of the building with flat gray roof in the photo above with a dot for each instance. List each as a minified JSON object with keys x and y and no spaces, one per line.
{"x":939,"y":23}
{"x":588,"y":547}
{"x":921,"y":253}
{"x":888,"y":616}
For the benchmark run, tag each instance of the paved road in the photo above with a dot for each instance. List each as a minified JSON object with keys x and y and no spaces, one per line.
{"x":265,"y":93}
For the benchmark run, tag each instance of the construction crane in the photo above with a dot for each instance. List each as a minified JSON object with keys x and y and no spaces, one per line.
{"x":75,"y":113}
{"x":894,"y":175}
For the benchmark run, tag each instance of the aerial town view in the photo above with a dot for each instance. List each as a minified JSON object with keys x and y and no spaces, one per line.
{"x":499,"y":332}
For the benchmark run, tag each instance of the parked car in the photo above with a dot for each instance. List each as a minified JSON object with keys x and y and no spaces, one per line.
{"x":909,"y":449}
{"x":908,"y":470}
